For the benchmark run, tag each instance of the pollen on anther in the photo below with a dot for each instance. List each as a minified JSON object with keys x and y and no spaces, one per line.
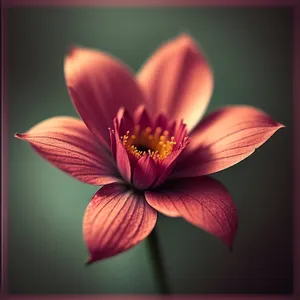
{"x":157,"y":141}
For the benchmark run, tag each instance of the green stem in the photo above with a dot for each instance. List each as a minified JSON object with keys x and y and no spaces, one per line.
{"x":157,"y":263}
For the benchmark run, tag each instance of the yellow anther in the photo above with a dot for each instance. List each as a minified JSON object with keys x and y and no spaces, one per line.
{"x":158,"y":144}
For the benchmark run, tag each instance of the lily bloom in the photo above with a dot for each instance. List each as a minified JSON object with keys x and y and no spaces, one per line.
{"x":142,"y":140}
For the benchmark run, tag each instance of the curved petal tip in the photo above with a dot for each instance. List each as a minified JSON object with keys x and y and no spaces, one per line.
{"x":279,"y":125}
{"x":88,"y":262}
{"x":186,"y":39}
{"x":19,"y":136}
{"x":71,"y":50}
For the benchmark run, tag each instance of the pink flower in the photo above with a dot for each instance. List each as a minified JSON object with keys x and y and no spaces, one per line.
{"x":140,"y":137}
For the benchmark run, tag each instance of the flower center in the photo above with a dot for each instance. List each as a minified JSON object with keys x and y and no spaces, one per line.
{"x":156,"y":143}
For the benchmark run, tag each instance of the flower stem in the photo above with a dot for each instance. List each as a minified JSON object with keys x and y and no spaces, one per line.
{"x":157,"y":263}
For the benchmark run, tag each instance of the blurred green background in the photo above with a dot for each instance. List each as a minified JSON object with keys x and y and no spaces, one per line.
{"x":250,"y":50}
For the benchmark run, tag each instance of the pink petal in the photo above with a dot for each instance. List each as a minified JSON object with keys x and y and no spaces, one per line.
{"x":114,"y":134}
{"x":68,"y":144}
{"x":115,"y":220}
{"x":122,"y":158}
{"x":125,"y":122}
{"x":177,"y":81}
{"x":161,"y":121}
{"x":142,"y":118}
{"x":123,"y":161}
{"x":223,"y":139}
{"x":113,"y":145}
{"x":144,"y":173}
{"x":99,"y":85}
{"x":166,"y":167}
{"x":202,"y":201}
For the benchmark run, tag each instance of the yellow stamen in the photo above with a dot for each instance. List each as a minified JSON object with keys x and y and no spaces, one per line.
{"x":157,"y":142}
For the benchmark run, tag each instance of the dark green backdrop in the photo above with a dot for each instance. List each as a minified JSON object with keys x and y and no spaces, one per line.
{"x":251,"y":53}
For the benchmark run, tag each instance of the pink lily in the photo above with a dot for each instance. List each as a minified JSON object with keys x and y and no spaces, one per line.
{"x":140,"y":137}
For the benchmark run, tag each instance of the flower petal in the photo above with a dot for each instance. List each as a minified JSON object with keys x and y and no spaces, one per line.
{"x":142,"y":118}
{"x":223,"y":139}
{"x":122,"y":158}
{"x":68,"y":144}
{"x":144,"y":172}
{"x":165,"y":168}
{"x":99,"y":85}
{"x":115,"y":220}
{"x":123,"y":161}
{"x":177,"y":81}
{"x":202,"y":201}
